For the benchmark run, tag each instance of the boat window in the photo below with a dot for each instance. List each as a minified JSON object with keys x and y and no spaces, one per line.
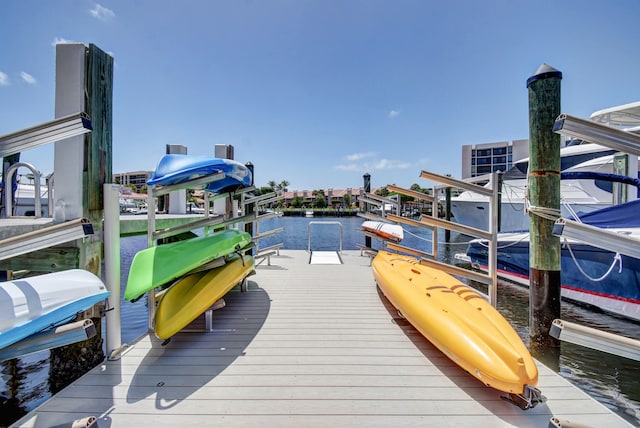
{"x":569,"y":161}
{"x":607,"y":186}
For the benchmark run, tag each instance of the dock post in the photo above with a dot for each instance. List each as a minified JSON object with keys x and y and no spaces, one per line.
{"x":250,"y":208}
{"x":82,"y":165}
{"x":447,"y":210}
{"x":544,"y":194}
{"x":367,"y":189}
{"x":112,"y":267}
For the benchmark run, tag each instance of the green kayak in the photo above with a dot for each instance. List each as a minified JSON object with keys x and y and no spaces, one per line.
{"x":158,"y":265}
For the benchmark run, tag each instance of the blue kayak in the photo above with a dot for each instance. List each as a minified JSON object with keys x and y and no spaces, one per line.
{"x":175,"y":169}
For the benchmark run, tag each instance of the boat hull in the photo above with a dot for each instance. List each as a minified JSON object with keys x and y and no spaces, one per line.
{"x":458,"y":321}
{"x":175,"y":169}
{"x":30,"y":305}
{"x":192,"y":295}
{"x":618,"y":292}
{"x":161,"y":264}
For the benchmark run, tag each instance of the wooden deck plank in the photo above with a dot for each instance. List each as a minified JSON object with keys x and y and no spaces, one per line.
{"x":307,"y":345}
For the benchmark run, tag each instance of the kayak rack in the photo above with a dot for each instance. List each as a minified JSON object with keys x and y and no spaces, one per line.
{"x":433,"y":223}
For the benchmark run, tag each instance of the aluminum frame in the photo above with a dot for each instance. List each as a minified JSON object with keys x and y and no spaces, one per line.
{"x":45,"y":133}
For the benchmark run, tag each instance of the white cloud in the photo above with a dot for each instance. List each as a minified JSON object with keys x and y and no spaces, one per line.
{"x":60,"y":40}
{"x":102,"y":13}
{"x":4,"y":79}
{"x":348,"y":167}
{"x":376,"y":164}
{"x":389,"y":164}
{"x":358,"y":156}
{"x":28,"y":78}
{"x":393,"y":114}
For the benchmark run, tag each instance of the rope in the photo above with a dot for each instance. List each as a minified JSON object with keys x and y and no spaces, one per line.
{"x":431,"y":240}
{"x":616,"y":259}
{"x":524,"y":236}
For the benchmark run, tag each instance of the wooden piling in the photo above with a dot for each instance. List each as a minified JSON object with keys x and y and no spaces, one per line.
{"x":544,"y":192}
{"x":67,"y":363}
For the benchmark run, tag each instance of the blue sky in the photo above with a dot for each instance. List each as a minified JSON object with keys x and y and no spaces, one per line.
{"x":319,"y":93}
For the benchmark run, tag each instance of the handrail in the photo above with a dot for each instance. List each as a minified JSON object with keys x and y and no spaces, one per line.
{"x":8,"y":200}
{"x":322,"y":222}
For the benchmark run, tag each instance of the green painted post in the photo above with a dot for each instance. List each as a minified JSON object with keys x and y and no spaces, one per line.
{"x":544,"y":192}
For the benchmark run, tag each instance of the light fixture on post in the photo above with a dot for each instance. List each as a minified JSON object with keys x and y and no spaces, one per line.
{"x":587,"y":130}
{"x":48,"y":132}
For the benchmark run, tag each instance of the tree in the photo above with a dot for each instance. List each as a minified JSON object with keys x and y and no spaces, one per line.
{"x":383,"y":191}
{"x":319,"y":200}
{"x":296,"y":202}
{"x":283,"y":185}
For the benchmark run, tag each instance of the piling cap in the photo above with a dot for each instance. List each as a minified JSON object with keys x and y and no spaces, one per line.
{"x":545,"y":71}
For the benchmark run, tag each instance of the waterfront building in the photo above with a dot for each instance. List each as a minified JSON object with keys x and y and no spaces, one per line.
{"x":482,"y":159}
{"x":136,"y":178}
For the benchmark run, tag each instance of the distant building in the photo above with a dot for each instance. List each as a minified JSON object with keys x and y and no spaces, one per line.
{"x":136,"y":178}
{"x":481,"y":159}
{"x":334,"y":197}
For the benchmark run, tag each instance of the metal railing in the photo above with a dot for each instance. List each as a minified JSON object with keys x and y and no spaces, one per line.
{"x":322,"y":222}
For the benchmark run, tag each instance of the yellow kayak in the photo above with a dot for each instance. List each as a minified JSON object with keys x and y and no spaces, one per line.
{"x":458,"y":321}
{"x":192,"y":295}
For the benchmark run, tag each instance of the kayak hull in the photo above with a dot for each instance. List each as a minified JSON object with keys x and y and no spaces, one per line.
{"x":176,"y":169}
{"x":34,"y":304}
{"x":161,"y":264}
{"x":458,"y":321}
{"x":192,"y":295}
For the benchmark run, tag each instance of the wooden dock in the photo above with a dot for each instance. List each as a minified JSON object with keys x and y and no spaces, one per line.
{"x":306,"y":346}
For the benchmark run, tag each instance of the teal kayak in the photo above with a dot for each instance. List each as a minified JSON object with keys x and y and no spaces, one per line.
{"x":158,"y":265}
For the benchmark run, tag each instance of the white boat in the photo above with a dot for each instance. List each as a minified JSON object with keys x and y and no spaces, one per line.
{"x":23,"y":201}
{"x":578,"y":195}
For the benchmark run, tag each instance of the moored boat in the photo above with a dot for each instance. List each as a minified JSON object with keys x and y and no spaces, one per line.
{"x":33,"y":304}
{"x":589,"y":275}
{"x":461,"y":323}
{"x":578,"y":193}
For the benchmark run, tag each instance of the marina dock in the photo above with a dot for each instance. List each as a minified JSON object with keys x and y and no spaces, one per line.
{"x":309,"y":345}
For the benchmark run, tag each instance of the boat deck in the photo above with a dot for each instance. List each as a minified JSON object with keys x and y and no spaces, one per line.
{"x":306,"y":345}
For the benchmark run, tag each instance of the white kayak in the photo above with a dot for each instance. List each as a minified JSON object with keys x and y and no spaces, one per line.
{"x":384,"y":230}
{"x":37,"y":303}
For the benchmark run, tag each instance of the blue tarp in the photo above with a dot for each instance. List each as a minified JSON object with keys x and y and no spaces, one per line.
{"x":615,"y":216}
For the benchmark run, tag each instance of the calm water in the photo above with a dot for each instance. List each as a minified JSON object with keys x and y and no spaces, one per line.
{"x":614,"y":381}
